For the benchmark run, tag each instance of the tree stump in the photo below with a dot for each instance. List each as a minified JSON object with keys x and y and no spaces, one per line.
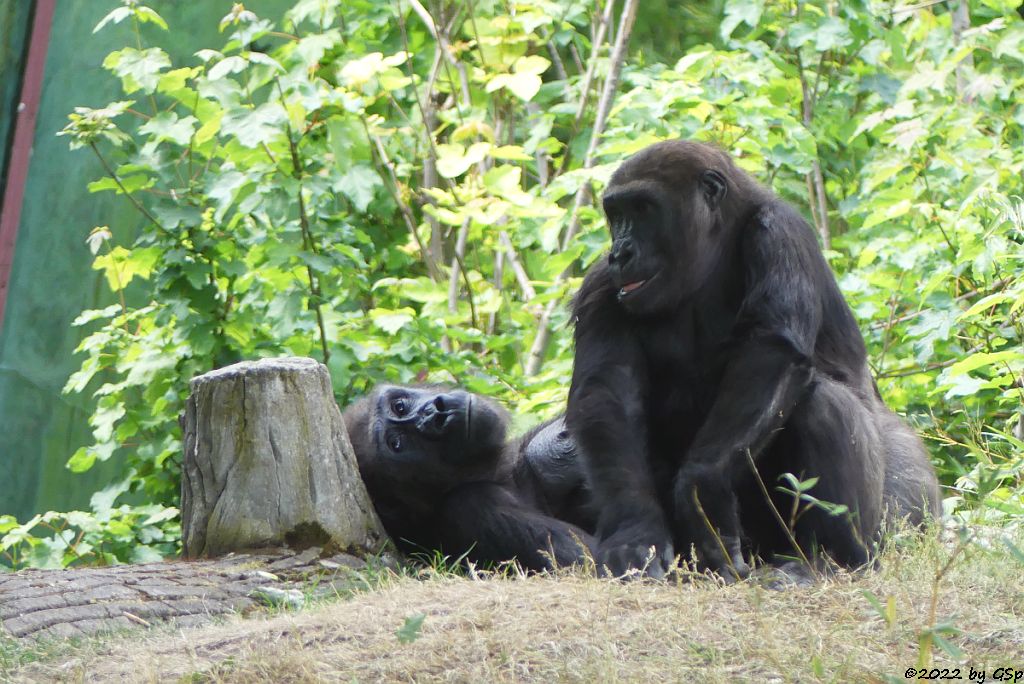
{"x":268,"y":463}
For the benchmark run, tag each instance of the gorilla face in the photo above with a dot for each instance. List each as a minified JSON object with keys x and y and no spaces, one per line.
{"x":428,"y":427}
{"x":664,"y":209}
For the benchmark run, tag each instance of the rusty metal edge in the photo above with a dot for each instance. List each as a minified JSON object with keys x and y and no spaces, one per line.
{"x":24,"y":134}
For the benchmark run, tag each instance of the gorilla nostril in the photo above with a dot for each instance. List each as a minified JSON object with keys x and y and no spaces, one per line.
{"x":439,"y":402}
{"x":620,"y":254}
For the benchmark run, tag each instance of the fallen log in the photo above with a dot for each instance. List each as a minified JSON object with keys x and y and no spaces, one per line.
{"x":79,"y":601}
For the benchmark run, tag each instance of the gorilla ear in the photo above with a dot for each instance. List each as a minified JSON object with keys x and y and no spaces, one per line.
{"x":714,"y":187}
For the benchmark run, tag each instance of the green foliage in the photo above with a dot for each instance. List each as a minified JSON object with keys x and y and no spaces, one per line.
{"x":137,"y":534}
{"x":390,"y":192}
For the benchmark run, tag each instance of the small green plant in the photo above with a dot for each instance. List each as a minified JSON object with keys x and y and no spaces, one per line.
{"x":410,"y":629}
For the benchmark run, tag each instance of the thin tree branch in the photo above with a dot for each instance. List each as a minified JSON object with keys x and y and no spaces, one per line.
{"x":499,"y":276}
{"x":818,"y":180}
{"x":316,"y":294}
{"x":961,"y":22}
{"x":585,"y":194}
{"x":962,"y":296}
{"x":403,"y":207}
{"x":442,"y":40}
{"x":517,"y":267}
{"x":456,"y":268}
{"x":595,"y":52}
{"x":131,"y":198}
{"x":917,"y":370}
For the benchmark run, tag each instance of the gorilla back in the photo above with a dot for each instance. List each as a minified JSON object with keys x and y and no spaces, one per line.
{"x":713,"y":342}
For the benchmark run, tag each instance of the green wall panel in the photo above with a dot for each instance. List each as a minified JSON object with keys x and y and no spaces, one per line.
{"x":52,"y":279}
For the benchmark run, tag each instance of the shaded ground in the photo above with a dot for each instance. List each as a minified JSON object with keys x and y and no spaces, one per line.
{"x":575,"y":628}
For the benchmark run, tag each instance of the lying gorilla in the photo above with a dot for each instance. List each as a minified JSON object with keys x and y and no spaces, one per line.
{"x":442,"y":477}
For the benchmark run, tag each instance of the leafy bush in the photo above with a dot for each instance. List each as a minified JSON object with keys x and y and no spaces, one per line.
{"x":407,"y":197}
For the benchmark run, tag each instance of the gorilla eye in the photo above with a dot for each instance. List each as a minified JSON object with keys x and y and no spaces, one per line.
{"x":400,"y":406}
{"x":643,"y":206}
{"x":395,"y":442}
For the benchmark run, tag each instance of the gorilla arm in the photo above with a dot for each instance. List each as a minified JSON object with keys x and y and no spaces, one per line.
{"x":489,"y":523}
{"x":606,"y":416}
{"x":768,"y":371}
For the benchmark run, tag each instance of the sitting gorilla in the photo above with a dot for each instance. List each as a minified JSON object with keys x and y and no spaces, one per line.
{"x":714,"y":354}
{"x":442,"y":477}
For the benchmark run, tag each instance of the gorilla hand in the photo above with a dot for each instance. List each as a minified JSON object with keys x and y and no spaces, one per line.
{"x":709,"y":513}
{"x":639,"y":544}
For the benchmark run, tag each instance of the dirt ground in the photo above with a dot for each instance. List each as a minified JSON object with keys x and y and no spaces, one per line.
{"x":870,"y":626}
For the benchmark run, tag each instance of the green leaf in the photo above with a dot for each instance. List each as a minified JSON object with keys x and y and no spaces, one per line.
{"x":888,"y":213}
{"x":132,"y":183}
{"x":48,"y":554}
{"x":391,"y":321}
{"x":175,"y":80}
{"x":138,"y":69}
{"x":141,"y":553}
{"x":103,"y":500}
{"x":740,"y":11}
{"x":951,"y":649}
{"x":210,"y":128}
{"x":523,"y":86}
{"x":455,"y":160}
{"x":115,"y":16}
{"x":255,"y":127}
{"x":964,"y":386}
{"x":148,"y":16}
{"x":81,"y":460}
{"x":161,"y":514}
{"x":358,"y":184}
{"x":510,"y":153}
{"x":120,"y":265}
{"x":421,"y":289}
{"x":832,"y":33}
{"x":166,"y":126}
{"x":1015,"y":551}
{"x":797,"y":484}
{"x":361,"y":71}
{"x":410,"y":629}
{"x":524,"y":81}
{"x":228,"y":65}
{"x":311,"y":48}
{"x":987,"y":302}
{"x":225,"y":188}
{"x":984,"y":359}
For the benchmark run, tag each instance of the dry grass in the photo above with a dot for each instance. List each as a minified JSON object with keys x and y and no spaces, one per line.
{"x":576,"y":628}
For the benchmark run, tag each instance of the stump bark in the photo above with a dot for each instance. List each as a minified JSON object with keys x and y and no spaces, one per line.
{"x":268,"y":463}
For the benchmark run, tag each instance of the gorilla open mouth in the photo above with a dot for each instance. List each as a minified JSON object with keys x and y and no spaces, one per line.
{"x":630,"y":288}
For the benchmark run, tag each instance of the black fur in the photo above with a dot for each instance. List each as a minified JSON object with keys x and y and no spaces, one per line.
{"x":454,"y":485}
{"x":715,"y":329}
